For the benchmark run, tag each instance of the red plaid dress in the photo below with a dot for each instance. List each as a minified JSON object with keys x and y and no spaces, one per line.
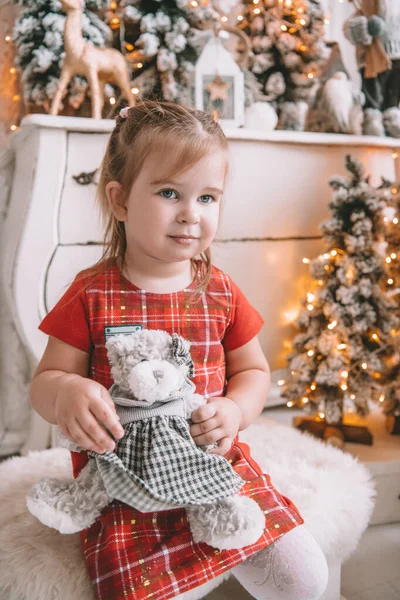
{"x":132,"y":555}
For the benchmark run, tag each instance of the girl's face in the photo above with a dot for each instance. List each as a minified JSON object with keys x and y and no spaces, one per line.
{"x":174,"y":219}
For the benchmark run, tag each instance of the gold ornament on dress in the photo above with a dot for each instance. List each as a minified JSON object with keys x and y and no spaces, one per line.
{"x":98,"y":65}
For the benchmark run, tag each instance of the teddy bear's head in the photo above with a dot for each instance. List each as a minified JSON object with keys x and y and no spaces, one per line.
{"x":149,"y":364}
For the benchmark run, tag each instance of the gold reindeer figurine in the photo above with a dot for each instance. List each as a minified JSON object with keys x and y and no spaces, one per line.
{"x":98,"y":65}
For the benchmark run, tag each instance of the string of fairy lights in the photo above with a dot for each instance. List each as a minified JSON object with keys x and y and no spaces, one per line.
{"x":374,"y":337}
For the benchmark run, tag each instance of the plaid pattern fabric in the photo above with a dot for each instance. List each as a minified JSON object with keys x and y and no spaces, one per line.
{"x":159,"y":457}
{"x":132,"y":555}
{"x":137,"y":556}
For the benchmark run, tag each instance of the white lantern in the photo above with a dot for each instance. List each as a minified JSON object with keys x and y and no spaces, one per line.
{"x":219,"y":84}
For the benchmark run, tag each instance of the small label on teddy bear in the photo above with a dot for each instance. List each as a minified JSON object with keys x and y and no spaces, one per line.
{"x":110,"y":330}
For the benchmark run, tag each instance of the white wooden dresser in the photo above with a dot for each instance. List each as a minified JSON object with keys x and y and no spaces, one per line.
{"x":276,"y":198}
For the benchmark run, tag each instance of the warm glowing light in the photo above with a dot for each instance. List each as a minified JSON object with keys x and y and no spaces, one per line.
{"x":194,"y":4}
{"x":393,"y":255}
{"x":333,"y":252}
{"x":257,"y":11}
{"x":303,"y":48}
{"x":139,"y":65}
{"x":394,"y":190}
{"x":326,"y":21}
{"x":113,"y":5}
{"x":291,"y":315}
{"x":306,"y":261}
{"x":310,"y":307}
{"x":240,"y":17}
{"x":344,"y":373}
{"x":135,"y":90}
{"x":311,"y":353}
{"x":313,"y":386}
{"x":293,"y":372}
{"x":310,"y":76}
{"x":364,"y":365}
{"x":395,"y":220}
{"x":289,"y":404}
{"x":385,"y":220}
{"x":14,"y":127}
{"x":224,"y":19}
{"x":302,"y":22}
{"x":375,"y":337}
{"x":13,"y":70}
{"x":114,"y":23}
{"x":112,"y":100}
{"x":344,"y":387}
{"x":321,"y":415}
{"x":326,"y":255}
{"x":388,"y":259}
{"x":256,"y":1}
{"x":381,"y":398}
{"x":332,"y":325}
{"x":129,"y":47}
{"x":281,"y":382}
{"x":310,"y":297}
{"x":8,"y":38}
{"x":390,"y":281}
{"x":353,"y":396}
{"x":341,"y":346}
{"x":288,"y":2}
{"x":395,"y":155}
{"x":304,"y":400}
{"x":283,"y":27}
{"x":16,"y":98}
{"x":320,"y":282}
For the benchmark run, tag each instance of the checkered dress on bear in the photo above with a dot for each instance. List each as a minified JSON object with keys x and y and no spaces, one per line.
{"x":157,"y":465}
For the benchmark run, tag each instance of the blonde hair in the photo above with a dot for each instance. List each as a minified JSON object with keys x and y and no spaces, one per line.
{"x":154,"y":127}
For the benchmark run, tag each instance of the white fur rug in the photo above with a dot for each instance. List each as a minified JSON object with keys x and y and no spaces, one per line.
{"x":332,"y":490}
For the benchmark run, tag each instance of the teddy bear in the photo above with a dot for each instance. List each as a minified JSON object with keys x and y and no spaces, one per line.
{"x":156,"y":465}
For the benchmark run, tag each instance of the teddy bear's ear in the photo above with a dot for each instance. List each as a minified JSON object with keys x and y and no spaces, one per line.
{"x":118,"y":347}
{"x":181,"y":353}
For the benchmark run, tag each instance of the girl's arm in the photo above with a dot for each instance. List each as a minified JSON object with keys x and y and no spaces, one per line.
{"x":248,"y":378}
{"x":62,"y":394}
{"x":248,"y":375}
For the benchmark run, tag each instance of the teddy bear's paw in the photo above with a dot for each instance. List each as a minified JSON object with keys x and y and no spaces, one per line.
{"x":60,"y":505}
{"x":50,"y":516}
{"x":232,"y":523}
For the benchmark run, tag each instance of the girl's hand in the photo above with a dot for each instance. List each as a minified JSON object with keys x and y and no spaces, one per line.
{"x":83,"y":409}
{"x":217,"y":421}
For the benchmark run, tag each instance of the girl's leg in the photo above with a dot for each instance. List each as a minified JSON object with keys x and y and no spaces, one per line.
{"x":293,"y":568}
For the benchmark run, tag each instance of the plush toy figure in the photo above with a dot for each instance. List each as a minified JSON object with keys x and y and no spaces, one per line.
{"x":374,"y":29}
{"x":156,"y":465}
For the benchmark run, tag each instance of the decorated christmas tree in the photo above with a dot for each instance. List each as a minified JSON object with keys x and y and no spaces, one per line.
{"x":288,"y":53}
{"x":38,"y":35}
{"x":391,"y":398}
{"x":163,"y":39}
{"x":345,"y":341}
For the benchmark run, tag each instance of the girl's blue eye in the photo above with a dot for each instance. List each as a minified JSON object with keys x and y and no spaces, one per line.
{"x":167,"y":194}
{"x":208,"y":200}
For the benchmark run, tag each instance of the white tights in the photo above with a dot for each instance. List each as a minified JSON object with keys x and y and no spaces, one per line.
{"x":292,"y":568}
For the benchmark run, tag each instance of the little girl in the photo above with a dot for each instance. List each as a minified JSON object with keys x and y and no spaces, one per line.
{"x":160,"y":192}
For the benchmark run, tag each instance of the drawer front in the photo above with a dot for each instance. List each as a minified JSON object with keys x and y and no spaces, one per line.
{"x":78,"y":216}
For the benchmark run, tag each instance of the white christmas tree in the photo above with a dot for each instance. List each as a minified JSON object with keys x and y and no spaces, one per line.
{"x":38,"y":36}
{"x":164,"y":39}
{"x":288,"y":53}
{"x":341,"y":353}
{"x":391,"y":281}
